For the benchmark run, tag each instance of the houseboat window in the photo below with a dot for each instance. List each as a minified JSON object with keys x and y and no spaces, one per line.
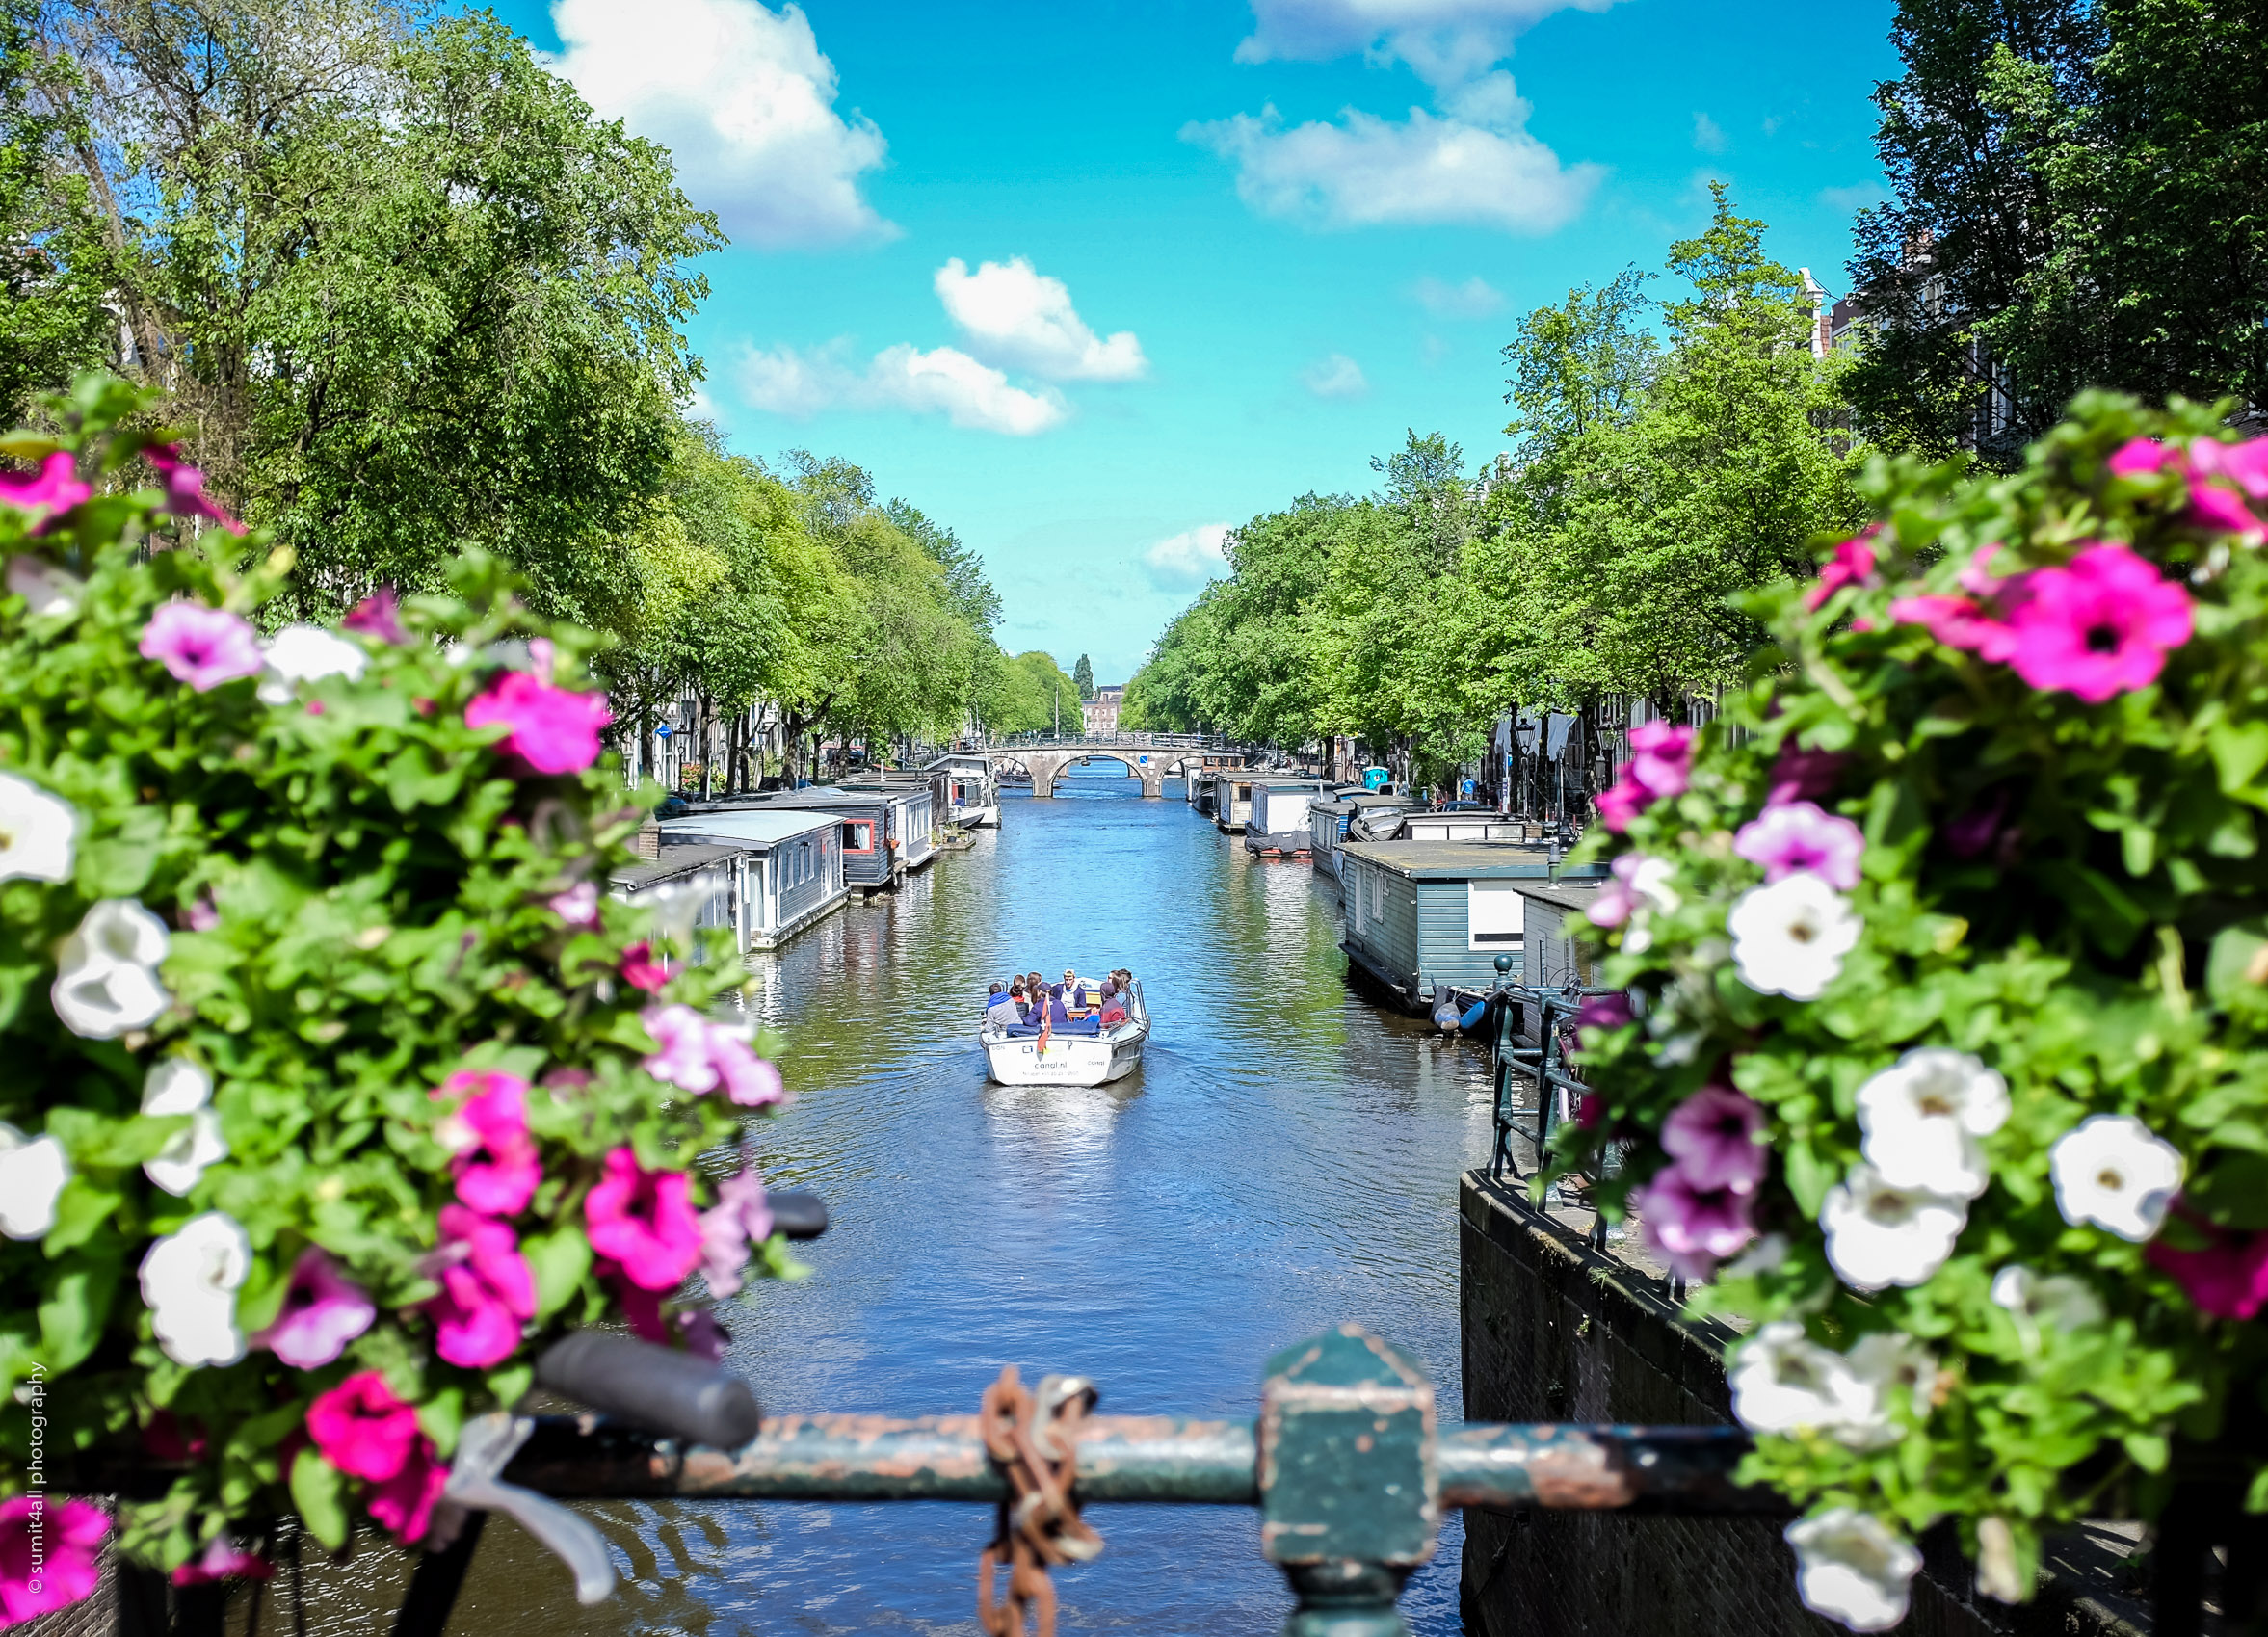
{"x":859,"y":837}
{"x":1494,"y":916}
{"x":803,"y":861}
{"x":1356,"y":875}
{"x":1378,"y":898}
{"x":1244,"y":792}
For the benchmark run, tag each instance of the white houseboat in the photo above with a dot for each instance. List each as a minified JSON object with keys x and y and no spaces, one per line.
{"x":774,"y":870}
{"x":972,"y":792}
{"x":1278,"y":827}
{"x":1329,"y":824}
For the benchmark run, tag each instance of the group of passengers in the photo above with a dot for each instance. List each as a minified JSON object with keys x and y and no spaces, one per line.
{"x":1030,"y":1005}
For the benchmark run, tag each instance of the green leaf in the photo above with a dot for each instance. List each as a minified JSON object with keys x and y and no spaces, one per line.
{"x":2236,"y":969}
{"x":441,"y":1417}
{"x":559,"y":1261}
{"x":82,"y":1209}
{"x":510,"y":1384}
{"x":72,"y":1312}
{"x":318,"y":1490}
{"x":117,"y":863}
{"x":2239,"y":752}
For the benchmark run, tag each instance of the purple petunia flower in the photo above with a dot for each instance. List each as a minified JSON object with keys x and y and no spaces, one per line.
{"x":203,"y":647}
{"x":323,"y":1311}
{"x":1801,"y":836}
{"x":1716,"y":1138}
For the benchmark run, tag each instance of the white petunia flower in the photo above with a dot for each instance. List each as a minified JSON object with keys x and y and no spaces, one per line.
{"x":189,"y":1282}
{"x":2114,"y":1172}
{"x":1878,"y":1234}
{"x":105,"y":981}
{"x":1851,"y":1567}
{"x":32,"y":1175}
{"x":1790,"y":937}
{"x":1783,"y":1380}
{"x":2058,"y":1299}
{"x":1923,"y":1115}
{"x":49,"y":590}
{"x":301,"y":653}
{"x":1878,"y":1362}
{"x":37,"y":832}
{"x":178,"y":1086}
{"x":1651,"y":894}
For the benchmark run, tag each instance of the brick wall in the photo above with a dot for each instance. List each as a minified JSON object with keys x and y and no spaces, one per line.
{"x":1554,"y":1331}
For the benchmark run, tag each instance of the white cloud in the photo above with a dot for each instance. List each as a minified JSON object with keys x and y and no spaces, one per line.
{"x":942,"y":381}
{"x":1860,"y":195}
{"x":1369,"y":173}
{"x":1187,"y":559}
{"x":1707,"y":135}
{"x":743,"y":98}
{"x":1475,"y":298}
{"x":1445,"y":40}
{"x":1014,"y":315}
{"x":1334,"y":377}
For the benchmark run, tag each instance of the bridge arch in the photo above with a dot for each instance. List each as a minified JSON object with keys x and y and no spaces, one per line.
{"x":1046,"y":762}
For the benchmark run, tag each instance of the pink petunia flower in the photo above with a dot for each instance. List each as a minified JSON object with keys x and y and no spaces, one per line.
{"x":2101,"y":627}
{"x":640,"y":968}
{"x":740,"y":1216}
{"x":1852,"y":564}
{"x":1604,"y":1012}
{"x":749,"y":1081}
{"x":487,"y":1291}
{"x":497,"y":1167}
{"x":2141,"y":457}
{"x":361,"y":1428}
{"x":1716,"y":1138}
{"x":1801,"y":836}
{"x":551,"y":729}
{"x":2214,"y":509}
{"x":641,"y":1309}
{"x":51,"y":491}
{"x":1798,"y":775}
{"x":643,"y":1220}
{"x":2245,"y":464}
{"x":578,"y":905}
{"x":404,"y":1502}
{"x":1694,"y":1227}
{"x":2228,"y":1279}
{"x":222,"y":1560}
{"x":1619,"y":804}
{"x":1662,"y":760}
{"x":1959,"y":623}
{"x":185,"y":488}
{"x":683,"y":1058}
{"x":1623,"y":896}
{"x":379,"y":615}
{"x":323,"y":1311}
{"x":203,"y":647}
{"x":49,"y":1553}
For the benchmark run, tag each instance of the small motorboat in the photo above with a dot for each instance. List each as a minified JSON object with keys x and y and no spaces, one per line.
{"x":1071,"y":1059}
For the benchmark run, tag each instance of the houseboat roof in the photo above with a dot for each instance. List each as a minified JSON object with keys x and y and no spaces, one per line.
{"x":1572,"y":895}
{"x":822,"y":797}
{"x":1464,"y":860}
{"x":674,"y":861}
{"x":1364,"y":803}
{"x":746,"y":828}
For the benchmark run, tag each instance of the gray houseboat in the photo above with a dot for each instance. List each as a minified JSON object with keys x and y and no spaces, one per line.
{"x":869,"y":863}
{"x":912,"y":830}
{"x":1232,"y":801}
{"x":972,"y":792}
{"x":1422,"y":916}
{"x":765,"y":874}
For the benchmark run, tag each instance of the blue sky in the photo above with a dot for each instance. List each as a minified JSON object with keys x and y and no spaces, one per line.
{"x":1090,"y":282}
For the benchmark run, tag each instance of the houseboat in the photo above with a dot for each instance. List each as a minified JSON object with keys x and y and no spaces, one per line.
{"x":1424,"y":917}
{"x":1557,"y":912}
{"x":1015,"y":1057}
{"x":1204,"y":791}
{"x":1278,"y":825}
{"x":914,"y":813}
{"x":972,"y":794}
{"x":1462,"y":826}
{"x":1329,"y":824}
{"x":1232,"y":801}
{"x":768,"y":874}
{"x":870,"y":864}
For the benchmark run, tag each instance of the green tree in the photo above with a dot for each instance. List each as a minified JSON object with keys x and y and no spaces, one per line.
{"x":1083,"y":676}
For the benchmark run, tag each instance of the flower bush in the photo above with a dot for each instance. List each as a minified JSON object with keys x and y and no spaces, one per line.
{"x":335,"y":1085}
{"x":1945,"y":1052}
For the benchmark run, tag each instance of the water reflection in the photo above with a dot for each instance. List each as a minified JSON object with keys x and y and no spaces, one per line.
{"x":1285,"y":1158}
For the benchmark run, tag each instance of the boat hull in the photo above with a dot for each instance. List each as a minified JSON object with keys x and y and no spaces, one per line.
{"x":1071,"y":1060}
{"x":977,"y":818}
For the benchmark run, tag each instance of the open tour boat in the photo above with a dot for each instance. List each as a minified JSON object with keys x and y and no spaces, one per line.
{"x":1071,"y":1059}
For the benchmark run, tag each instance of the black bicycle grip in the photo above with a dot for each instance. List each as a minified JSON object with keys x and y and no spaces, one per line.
{"x":798,"y":1214}
{"x":657,"y":1388}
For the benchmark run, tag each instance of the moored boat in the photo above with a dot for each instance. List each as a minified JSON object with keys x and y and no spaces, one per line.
{"x":1071,"y":1059}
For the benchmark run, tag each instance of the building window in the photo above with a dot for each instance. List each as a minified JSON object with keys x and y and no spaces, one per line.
{"x":859,"y":837}
{"x":1495,"y":915}
{"x":1378,"y":897}
{"x":1357,"y":874}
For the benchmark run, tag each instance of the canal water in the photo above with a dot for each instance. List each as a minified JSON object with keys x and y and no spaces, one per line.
{"x":1285,"y":1158}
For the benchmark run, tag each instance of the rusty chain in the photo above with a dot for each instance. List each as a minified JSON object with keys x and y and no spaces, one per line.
{"x":1034,"y":1439}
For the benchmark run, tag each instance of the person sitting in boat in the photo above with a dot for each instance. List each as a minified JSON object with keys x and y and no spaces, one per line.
{"x":1114,"y":1005}
{"x":1071,"y":986}
{"x":1062,"y":1020}
{"x":1006,"y":1007}
{"x":1035,"y":1000}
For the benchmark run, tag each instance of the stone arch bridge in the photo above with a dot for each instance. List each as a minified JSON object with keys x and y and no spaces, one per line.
{"x":1152,"y":758}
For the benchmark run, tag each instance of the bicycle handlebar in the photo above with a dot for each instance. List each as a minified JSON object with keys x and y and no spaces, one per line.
{"x":658,"y":1388}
